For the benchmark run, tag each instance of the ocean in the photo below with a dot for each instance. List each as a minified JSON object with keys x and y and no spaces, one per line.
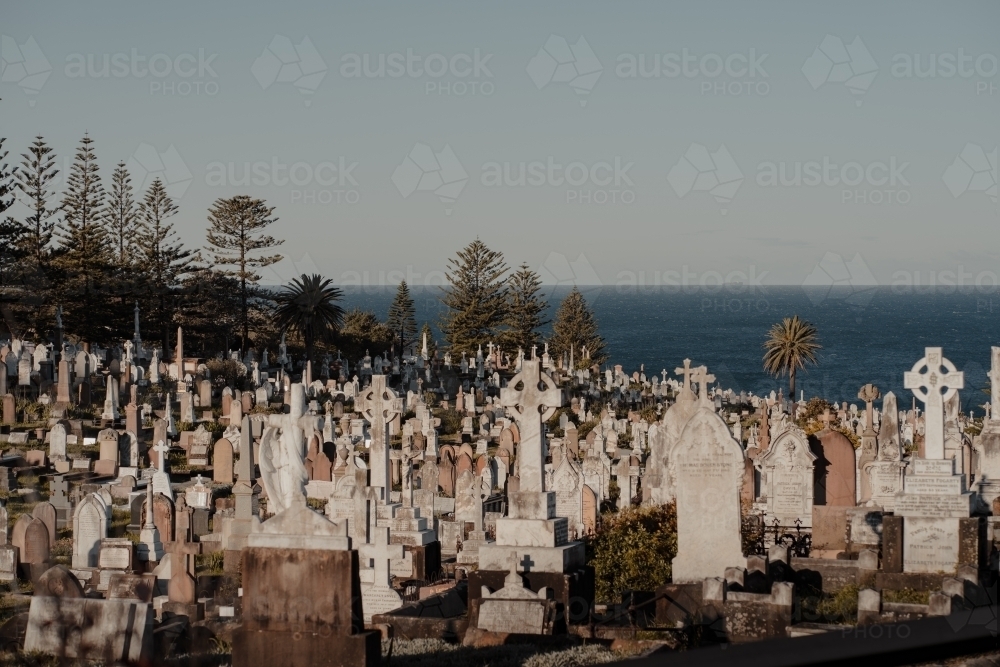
{"x":868,"y":335}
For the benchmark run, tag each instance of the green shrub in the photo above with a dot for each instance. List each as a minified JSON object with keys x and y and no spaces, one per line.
{"x":451,"y":421}
{"x":632,"y":550}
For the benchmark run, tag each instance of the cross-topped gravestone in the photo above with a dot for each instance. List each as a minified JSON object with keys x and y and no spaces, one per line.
{"x":702,"y":378}
{"x":161,"y":450}
{"x":532,"y":398}
{"x":380,"y":407}
{"x":869,"y":394}
{"x":928,"y":387}
{"x":686,"y":371}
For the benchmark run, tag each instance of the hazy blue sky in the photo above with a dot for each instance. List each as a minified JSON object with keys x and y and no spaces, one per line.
{"x":283,"y":87}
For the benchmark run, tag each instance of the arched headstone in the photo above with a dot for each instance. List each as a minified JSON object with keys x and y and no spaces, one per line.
{"x":36,"y":543}
{"x":222,"y":462}
{"x":90,"y":526}
{"x":47,"y":513}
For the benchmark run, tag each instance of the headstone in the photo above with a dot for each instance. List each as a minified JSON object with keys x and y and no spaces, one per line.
{"x":46,"y":512}
{"x":787,"y":478}
{"x":57,"y":442}
{"x":934,"y":499}
{"x":222,"y":461}
{"x":706,"y":466}
{"x":90,"y":526}
{"x":36,"y":543}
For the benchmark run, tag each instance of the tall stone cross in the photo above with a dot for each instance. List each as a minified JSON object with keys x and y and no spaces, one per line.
{"x":532,"y":398}
{"x":869,"y":394}
{"x":702,"y":378}
{"x":934,"y":387}
{"x":380,"y":406}
{"x":161,"y":449}
{"x":686,"y":371}
{"x":994,"y":411}
{"x":826,"y":418}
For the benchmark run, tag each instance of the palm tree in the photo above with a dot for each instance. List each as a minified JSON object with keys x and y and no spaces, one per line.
{"x":309,"y":307}
{"x":789,"y":345}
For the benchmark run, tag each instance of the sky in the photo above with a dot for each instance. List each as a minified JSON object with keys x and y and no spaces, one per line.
{"x":659,"y":142}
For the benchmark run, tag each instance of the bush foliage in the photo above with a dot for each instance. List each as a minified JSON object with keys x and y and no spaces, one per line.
{"x":633,"y":550}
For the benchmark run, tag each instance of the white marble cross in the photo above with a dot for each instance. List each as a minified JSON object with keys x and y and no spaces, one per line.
{"x":928,"y":386}
{"x":161,"y":449}
{"x":532,"y":397}
{"x":380,"y":407}
{"x":686,"y":371}
{"x":702,"y":378}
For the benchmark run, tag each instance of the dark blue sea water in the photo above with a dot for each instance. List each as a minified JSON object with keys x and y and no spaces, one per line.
{"x":873,"y":335}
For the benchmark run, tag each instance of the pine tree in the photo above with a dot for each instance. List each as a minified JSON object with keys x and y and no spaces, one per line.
{"x":11,"y":231}
{"x":235,"y":239}
{"x":162,"y":260}
{"x":525,"y":310}
{"x":476,"y":298}
{"x":33,"y":179}
{"x":402,"y":317}
{"x":576,"y":327}
{"x":84,"y":257}
{"x":121,"y":216}
{"x":362,"y":332}
{"x":209,"y":311}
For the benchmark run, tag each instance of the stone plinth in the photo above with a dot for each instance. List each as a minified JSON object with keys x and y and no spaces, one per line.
{"x":932,"y":503}
{"x":111,"y":631}
{"x":301,"y":608}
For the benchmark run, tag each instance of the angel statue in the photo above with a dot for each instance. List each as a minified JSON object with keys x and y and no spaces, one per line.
{"x":284,"y":475}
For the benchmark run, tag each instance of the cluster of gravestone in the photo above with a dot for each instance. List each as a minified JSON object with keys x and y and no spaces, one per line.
{"x":344,"y":505}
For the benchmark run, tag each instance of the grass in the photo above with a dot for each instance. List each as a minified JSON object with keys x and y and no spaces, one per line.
{"x":210,"y":563}
{"x":906,"y":595}
{"x":840,"y":607}
{"x":438,"y":653}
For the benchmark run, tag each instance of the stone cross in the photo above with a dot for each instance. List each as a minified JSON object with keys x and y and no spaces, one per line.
{"x":869,"y":394}
{"x":406,"y":475}
{"x":702,"y":377}
{"x":686,"y":371}
{"x":380,"y":407}
{"x":532,"y":398}
{"x":161,"y":449}
{"x":826,"y":418}
{"x":928,"y":386}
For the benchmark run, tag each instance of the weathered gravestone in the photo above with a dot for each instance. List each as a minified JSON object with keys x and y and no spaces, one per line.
{"x":47,"y":514}
{"x":222,"y":461}
{"x":706,"y":467}
{"x":90,"y":526}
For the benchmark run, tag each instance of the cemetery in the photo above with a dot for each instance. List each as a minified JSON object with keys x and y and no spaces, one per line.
{"x":325,"y":511}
